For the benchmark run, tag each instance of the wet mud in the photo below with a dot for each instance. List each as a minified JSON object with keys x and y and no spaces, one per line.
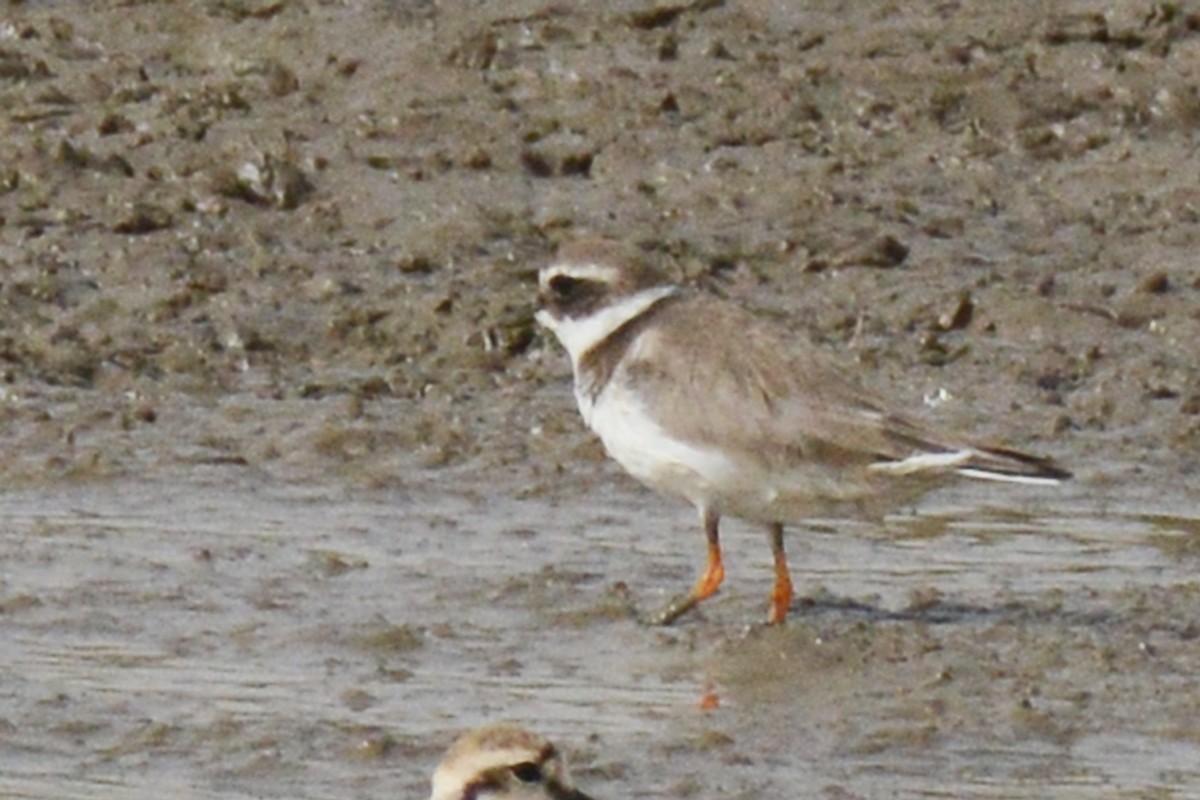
{"x":293,"y":489}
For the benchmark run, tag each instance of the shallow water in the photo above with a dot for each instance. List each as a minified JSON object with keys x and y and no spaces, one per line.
{"x":224,"y":637}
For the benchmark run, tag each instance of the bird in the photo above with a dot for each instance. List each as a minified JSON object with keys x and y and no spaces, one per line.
{"x":701,"y":399}
{"x":503,"y":762}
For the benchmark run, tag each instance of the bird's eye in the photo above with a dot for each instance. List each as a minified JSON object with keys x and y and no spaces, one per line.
{"x":564,"y":286}
{"x":528,"y":772}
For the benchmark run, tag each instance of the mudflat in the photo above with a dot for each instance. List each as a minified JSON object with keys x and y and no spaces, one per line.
{"x":294,"y":489}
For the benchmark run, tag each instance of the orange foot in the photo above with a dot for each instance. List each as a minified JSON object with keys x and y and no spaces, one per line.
{"x":708,"y":584}
{"x":781,"y":599}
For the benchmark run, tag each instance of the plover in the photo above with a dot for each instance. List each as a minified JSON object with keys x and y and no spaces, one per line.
{"x":700,"y":399}
{"x":503,"y":762}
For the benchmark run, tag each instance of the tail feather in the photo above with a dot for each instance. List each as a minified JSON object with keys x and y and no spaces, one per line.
{"x":987,"y":463}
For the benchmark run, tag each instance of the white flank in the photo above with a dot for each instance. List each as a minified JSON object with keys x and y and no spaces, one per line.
{"x":926,"y":462}
{"x":940,"y":462}
{"x":580,"y":335}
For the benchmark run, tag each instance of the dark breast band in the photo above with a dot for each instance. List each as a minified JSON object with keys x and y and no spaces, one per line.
{"x":598,"y":363}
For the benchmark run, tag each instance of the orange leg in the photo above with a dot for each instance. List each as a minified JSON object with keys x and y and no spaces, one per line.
{"x":714,"y":573}
{"x":709,"y":582}
{"x":781,"y":595}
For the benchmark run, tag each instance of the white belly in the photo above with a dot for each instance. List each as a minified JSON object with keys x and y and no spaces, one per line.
{"x":738,"y":484}
{"x":639,"y":444}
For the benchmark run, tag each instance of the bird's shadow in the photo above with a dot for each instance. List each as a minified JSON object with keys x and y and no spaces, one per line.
{"x":945,"y":612}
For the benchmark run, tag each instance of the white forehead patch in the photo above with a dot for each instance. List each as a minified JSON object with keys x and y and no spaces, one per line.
{"x":580,"y":270}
